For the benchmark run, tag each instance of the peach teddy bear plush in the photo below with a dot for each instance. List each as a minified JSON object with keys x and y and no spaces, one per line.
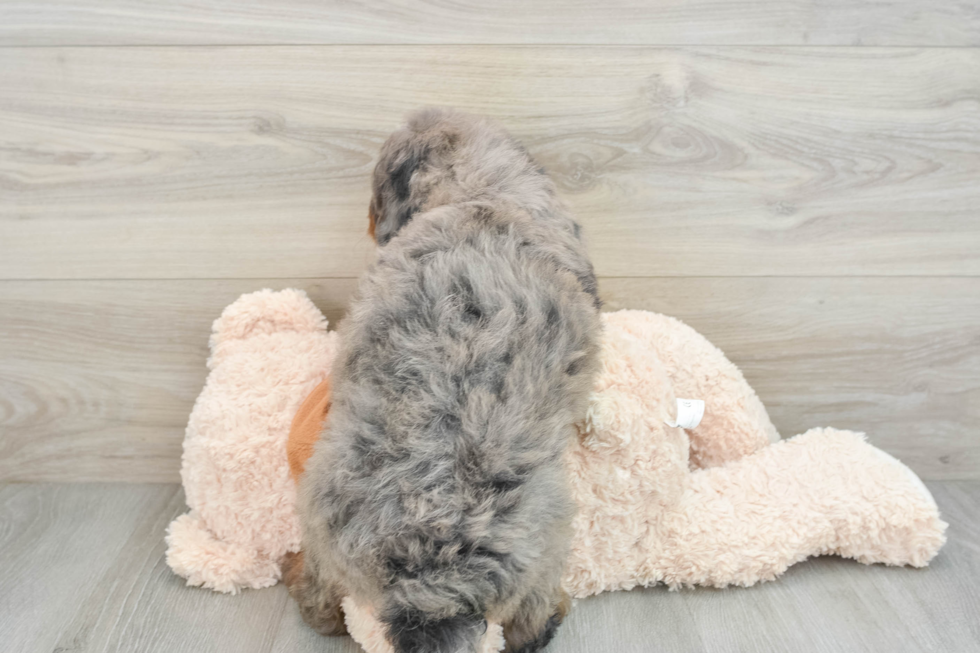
{"x":724,"y":503}
{"x":268,"y":351}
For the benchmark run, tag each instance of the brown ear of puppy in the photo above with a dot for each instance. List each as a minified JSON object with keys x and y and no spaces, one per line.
{"x":372,"y":221}
{"x":307,"y":425}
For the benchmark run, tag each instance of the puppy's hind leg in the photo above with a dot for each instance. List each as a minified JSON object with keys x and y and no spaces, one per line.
{"x":536,"y":621}
{"x":319,"y":602}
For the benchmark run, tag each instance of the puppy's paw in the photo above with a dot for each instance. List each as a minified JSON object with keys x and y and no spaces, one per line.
{"x":319,"y":603}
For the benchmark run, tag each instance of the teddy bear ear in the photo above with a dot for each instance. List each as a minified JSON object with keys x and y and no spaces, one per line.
{"x":265,"y":312}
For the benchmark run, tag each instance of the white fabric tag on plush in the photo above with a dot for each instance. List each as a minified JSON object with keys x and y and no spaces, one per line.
{"x":689,"y":413}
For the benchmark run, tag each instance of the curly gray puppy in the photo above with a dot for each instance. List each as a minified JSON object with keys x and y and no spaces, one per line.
{"x":437,"y":494}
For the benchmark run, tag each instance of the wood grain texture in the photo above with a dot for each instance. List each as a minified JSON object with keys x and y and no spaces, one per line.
{"x":894,"y":358}
{"x":97,"y":378}
{"x":140,"y":605}
{"x":82,"y":570}
{"x":59,"y":548}
{"x":686,"y":22}
{"x":253,"y":162}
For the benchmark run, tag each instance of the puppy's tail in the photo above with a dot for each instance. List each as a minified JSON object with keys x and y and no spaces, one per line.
{"x":411,"y":630}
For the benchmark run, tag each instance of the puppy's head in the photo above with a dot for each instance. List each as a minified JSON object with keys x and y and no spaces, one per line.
{"x":415,"y":162}
{"x":442,"y":156}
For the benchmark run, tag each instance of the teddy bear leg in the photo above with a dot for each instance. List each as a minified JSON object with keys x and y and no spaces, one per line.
{"x":825,"y":491}
{"x":735,"y":422}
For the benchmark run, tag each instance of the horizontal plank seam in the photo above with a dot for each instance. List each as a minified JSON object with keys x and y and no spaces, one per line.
{"x":891,"y":46}
{"x":617,"y":276}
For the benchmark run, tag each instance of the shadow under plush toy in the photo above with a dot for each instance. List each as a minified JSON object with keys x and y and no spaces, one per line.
{"x":725,"y":503}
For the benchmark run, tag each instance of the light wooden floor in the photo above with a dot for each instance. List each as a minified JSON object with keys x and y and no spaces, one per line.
{"x":82,"y":569}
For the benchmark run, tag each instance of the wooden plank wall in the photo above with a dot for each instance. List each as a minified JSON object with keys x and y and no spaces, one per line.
{"x":799,"y":181}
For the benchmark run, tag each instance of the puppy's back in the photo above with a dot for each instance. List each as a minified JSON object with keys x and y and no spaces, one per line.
{"x":439,"y":491}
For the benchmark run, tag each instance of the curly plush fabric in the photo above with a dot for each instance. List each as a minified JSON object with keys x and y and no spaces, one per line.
{"x":268,"y":351}
{"x":726,"y":503}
